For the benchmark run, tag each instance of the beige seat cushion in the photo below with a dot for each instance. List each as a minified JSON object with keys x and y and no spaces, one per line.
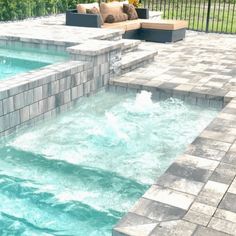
{"x":117,"y":25}
{"x":81,"y":8}
{"x":164,"y":24}
{"x":115,"y":9}
{"x":126,"y":25}
{"x":133,"y":24}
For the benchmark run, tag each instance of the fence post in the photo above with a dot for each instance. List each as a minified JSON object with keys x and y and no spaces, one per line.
{"x":208,"y":15}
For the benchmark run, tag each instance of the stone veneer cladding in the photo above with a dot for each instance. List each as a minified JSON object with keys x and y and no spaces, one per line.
{"x":40,"y":94}
{"x":104,"y":56}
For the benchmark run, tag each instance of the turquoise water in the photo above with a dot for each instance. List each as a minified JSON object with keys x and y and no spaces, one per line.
{"x":16,"y":60}
{"x":79,"y":173}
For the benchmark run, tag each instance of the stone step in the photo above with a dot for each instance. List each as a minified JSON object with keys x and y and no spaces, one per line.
{"x":129,"y":45}
{"x":148,"y":46}
{"x":135,"y":59}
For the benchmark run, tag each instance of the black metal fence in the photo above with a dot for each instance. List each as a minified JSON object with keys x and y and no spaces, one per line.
{"x":202,"y":15}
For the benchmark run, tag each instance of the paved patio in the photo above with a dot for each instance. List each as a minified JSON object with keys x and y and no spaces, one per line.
{"x":53,"y":30}
{"x":197,"y":193}
{"x":201,"y":63}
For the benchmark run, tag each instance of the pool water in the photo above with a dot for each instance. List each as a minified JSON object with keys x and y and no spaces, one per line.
{"x":16,"y":60}
{"x":79,"y":173}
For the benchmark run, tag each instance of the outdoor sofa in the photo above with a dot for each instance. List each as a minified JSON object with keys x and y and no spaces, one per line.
{"x":141,"y":28}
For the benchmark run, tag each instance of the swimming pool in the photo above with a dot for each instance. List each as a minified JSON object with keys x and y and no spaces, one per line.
{"x":79,"y":173}
{"x":16,"y":60}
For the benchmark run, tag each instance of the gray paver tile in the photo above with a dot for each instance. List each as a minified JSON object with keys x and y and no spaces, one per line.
{"x":221,"y":124}
{"x":137,"y":230}
{"x":197,"y":218}
{"x":203,"y":231}
{"x":212,"y":144}
{"x":203,"y":208}
{"x":180,"y":184}
{"x":157,"y":211}
{"x":188,"y":172}
{"x":224,"y":173}
{"x":212,"y":193}
{"x":177,"y":228}
{"x":223,"y":226}
{"x":167,"y":86}
{"x":184,"y":87}
{"x":226,"y":116}
{"x":169,"y":197}
{"x":232,"y":188}
{"x":132,"y":219}
{"x":225,"y":215}
{"x":205,"y":152}
{"x":224,"y":137}
{"x":229,"y":110}
{"x":197,"y":162}
{"x":215,"y":126}
{"x":230,"y":158}
{"x":233,"y":147}
{"x":228,"y":202}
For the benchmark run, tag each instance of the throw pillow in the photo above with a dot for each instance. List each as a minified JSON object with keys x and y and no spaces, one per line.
{"x":130,"y":10}
{"x":116,"y":18}
{"x":95,"y":11}
{"x":81,"y":8}
{"x":110,"y":19}
{"x":115,"y":9}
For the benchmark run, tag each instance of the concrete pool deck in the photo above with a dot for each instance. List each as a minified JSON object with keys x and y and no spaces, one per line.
{"x":197,"y":193}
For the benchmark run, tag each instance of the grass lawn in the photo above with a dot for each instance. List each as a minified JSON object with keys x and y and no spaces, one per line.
{"x":222,"y":16}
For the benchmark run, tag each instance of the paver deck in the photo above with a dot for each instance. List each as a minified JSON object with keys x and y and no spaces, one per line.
{"x":197,"y":193}
{"x":203,"y":63}
{"x":53,"y":29}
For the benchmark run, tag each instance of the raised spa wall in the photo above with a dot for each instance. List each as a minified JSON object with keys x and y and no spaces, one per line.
{"x":40,"y":94}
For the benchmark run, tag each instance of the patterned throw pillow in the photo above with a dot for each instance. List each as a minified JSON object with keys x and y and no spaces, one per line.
{"x":110,"y":19}
{"x":95,"y":11}
{"x":130,"y":10}
{"x":115,"y":9}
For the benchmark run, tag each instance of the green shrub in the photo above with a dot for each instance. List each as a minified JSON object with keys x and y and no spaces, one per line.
{"x":21,"y":9}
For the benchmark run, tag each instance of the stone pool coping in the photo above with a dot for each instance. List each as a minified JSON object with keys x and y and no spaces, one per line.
{"x":60,"y":35}
{"x":196,"y":194}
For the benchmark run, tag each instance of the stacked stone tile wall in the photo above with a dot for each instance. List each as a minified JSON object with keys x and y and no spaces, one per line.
{"x":27,"y":98}
{"x":104,"y":57}
{"x":41,"y":94}
{"x":160,"y":93}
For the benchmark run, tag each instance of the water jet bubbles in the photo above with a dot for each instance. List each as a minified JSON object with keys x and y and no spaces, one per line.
{"x":115,"y":126}
{"x":143,"y":105}
{"x":143,"y":99}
